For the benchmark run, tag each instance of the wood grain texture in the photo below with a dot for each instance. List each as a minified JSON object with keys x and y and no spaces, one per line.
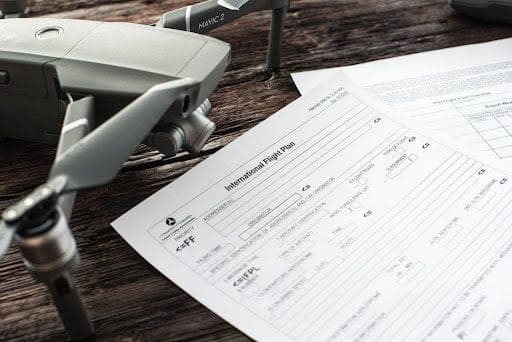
{"x":128,"y":299}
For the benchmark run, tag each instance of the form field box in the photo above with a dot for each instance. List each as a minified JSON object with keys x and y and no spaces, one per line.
{"x":300,"y":225}
{"x":474,"y":321}
{"x":214,"y":215}
{"x":299,"y":250}
{"x":356,"y":327}
{"x":411,"y":273}
{"x":355,"y":205}
{"x":503,"y":152}
{"x":484,"y":125}
{"x":402,"y":166}
{"x":450,"y":235}
{"x":221,"y":254}
{"x":484,"y":200}
{"x":285,"y":285}
{"x":343,"y":234}
{"x":501,"y":142}
{"x":317,"y":277}
{"x":494,"y":133}
{"x":250,"y":290}
{"x":362,"y":181}
{"x":504,"y":118}
{"x":214,"y":258}
{"x":274,"y":214}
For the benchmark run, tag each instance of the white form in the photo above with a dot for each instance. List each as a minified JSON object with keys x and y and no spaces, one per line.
{"x":329,"y":221}
{"x":459,"y":96}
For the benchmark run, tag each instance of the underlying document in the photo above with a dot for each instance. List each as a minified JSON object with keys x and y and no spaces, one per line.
{"x":460,"y":96}
{"x":331,"y":222}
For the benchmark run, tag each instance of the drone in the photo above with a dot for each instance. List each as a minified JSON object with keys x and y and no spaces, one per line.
{"x":98,"y":90}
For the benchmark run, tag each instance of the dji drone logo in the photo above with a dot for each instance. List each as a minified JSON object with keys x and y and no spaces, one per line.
{"x":170,"y":221}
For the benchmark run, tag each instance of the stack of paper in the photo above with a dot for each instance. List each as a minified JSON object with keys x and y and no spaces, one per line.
{"x":377,"y":207}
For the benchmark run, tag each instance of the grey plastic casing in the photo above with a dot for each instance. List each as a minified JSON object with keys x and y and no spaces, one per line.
{"x":114,"y":62}
{"x":488,"y":10}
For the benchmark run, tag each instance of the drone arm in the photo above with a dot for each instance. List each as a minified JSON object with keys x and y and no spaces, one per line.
{"x":208,"y":15}
{"x":78,"y":122}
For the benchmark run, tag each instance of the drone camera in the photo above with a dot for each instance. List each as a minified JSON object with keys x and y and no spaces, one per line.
{"x":189,"y":132}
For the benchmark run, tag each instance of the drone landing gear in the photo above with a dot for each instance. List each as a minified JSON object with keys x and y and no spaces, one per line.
{"x":50,"y":255}
{"x":276,"y":39}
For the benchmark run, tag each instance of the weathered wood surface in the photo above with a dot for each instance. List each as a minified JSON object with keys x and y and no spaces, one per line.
{"x":128,"y":299}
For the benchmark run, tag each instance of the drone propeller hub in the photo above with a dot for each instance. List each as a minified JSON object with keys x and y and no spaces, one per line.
{"x":36,"y":208}
{"x":48,"y":248}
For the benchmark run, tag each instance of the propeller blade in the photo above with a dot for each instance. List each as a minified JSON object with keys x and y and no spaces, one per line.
{"x":6,"y":235}
{"x":98,"y":157}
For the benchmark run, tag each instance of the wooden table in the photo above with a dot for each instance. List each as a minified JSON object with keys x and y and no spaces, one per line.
{"x":127,"y":298}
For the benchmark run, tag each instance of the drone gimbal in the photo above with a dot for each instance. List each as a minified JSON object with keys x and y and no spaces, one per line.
{"x":99,"y":90}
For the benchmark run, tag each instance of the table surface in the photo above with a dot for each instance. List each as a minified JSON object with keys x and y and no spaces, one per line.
{"x":128,"y":299}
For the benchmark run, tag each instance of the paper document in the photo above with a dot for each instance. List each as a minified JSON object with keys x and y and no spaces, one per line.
{"x":460,"y":96}
{"x":331,"y":222}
